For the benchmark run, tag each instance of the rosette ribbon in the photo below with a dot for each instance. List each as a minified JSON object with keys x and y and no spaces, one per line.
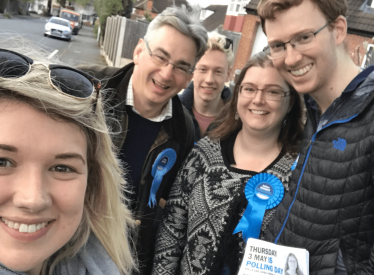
{"x":163,"y":163}
{"x":263,"y":192}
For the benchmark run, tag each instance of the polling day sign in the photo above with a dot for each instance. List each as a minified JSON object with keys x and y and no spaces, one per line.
{"x":267,"y":258}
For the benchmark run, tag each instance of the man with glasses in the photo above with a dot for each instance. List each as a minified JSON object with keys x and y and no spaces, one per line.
{"x":156,"y":132}
{"x":207,"y":93}
{"x":329,"y":209}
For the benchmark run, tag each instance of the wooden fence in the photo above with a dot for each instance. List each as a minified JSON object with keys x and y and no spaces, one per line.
{"x":121,"y":37}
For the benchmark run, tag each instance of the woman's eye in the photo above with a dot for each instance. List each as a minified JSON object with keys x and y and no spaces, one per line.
{"x":63,"y":169}
{"x":5,"y":163}
{"x":275,"y":92}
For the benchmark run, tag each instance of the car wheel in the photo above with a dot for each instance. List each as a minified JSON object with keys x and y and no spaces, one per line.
{"x":69,"y":39}
{"x":45,"y":35}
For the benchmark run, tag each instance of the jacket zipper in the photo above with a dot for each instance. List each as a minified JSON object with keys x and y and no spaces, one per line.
{"x":309,"y":148}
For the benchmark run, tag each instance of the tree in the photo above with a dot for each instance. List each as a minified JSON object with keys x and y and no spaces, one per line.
{"x":127,"y":8}
{"x":105,"y":8}
{"x":62,"y":3}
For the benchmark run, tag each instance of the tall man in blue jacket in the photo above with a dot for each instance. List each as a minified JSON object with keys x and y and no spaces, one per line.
{"x":207,"y":93}
{"x":329,"y":209}
{"x":156,"y":132}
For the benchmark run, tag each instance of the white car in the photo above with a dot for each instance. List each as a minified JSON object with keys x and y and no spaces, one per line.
{"x":58,"y":27}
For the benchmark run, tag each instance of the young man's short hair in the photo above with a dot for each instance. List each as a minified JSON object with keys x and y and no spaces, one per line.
{"x":331,"y":9}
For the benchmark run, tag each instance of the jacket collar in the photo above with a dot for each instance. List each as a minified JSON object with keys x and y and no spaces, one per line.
{"x":353,"y":100}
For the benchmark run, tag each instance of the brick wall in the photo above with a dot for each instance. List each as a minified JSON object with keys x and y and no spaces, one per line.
{"x":239,"y":22}
{"x":356,"y":48}
{"x":229,"y":23}
{"x":249,"y":31}
{"x":140,"y":13}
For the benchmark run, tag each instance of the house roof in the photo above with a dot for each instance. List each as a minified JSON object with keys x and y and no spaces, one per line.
{"x":215,"y":19}
{"x":160,"y":5}
{"x":360,"y":16}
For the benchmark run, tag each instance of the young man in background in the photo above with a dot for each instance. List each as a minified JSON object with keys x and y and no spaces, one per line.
{"x":207,"y":93}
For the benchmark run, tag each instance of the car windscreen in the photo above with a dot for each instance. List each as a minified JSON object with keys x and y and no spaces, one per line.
{"x":59,"y":22}
{"x":70,"y":16}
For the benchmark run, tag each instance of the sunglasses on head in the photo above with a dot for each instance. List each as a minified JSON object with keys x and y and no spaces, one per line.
{"x":229,"y":43}
{"x":67,"y":80}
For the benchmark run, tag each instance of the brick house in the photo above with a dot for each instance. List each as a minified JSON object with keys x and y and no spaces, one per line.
{"x":360,"y":17}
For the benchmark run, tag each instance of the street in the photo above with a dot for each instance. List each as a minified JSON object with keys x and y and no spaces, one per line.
{"x":82,"y":49}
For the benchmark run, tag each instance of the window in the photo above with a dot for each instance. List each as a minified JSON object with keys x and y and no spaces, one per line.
{"x":202,"y":14}
{"x":238,"y":7}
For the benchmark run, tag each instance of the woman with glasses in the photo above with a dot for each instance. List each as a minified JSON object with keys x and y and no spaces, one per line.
{"x":61,"y":204}
{"x":231,"y":182}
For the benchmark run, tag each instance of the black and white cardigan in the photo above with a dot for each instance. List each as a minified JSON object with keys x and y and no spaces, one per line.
{"x":205,"y":196}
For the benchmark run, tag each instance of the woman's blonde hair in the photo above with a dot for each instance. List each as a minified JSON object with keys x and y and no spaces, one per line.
{"x":105,"y":213}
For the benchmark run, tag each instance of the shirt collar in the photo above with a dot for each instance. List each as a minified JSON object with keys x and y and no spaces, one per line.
{"x":166,"y":113}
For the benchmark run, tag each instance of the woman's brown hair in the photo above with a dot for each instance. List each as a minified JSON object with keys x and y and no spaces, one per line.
{"x":292,"y":129}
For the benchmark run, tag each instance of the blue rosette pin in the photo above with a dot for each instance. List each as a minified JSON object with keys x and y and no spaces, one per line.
{"x":263,"y":192}
{"x":163,"y":163}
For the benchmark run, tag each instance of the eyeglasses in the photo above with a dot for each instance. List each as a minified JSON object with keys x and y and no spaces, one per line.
{"x":163,"y":61}
{"x":301,"y":42}
{"x":269,"y":93}
{"x":67,"y":80}
{"x":229,"y":42}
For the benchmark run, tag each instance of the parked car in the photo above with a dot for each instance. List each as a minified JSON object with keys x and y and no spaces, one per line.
{"x":74,"y":18}
{"x":58,"y":27}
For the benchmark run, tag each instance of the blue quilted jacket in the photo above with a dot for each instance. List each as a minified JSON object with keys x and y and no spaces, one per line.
{"x":330,"y":205}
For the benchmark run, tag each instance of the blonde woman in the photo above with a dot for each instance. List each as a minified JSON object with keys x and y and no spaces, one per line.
{"x":61,"y":203}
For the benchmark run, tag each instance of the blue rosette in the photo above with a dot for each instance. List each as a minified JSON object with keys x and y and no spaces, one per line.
{"x":263,"y":192}
{"x":163,"y":163}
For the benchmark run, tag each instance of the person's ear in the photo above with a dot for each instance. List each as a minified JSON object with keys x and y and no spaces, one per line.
{"x":138,"y":50}
{"x":340,"y":29}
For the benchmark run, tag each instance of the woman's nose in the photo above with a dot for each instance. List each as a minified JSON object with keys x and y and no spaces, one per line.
{"x":259,"y":97}
{"x":31,"y":192}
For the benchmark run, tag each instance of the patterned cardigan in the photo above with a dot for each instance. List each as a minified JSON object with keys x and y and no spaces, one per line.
{"x":198,"y":209}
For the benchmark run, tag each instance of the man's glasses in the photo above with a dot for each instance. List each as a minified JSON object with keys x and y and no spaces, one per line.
{"x":249,"y":91}
{"x":163,"y":61}
{"x":301,"y":42}
{"x":67,"y":80}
